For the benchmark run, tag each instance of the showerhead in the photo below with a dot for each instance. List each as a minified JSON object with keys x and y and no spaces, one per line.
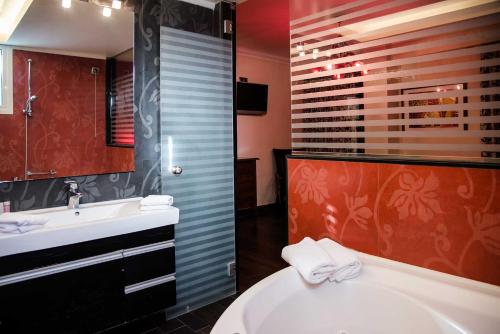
{"x":27,"y":106}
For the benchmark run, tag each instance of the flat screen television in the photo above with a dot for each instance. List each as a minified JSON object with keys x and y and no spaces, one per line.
{"x":251,"y":98}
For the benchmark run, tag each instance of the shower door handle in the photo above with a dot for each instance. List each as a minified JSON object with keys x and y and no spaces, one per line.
{"x":176,"y":170}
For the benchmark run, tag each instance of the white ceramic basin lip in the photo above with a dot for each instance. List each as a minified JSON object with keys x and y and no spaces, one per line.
{"x":113,"y":204}
{"x":90,"y":212}
{"x":95,"y":221}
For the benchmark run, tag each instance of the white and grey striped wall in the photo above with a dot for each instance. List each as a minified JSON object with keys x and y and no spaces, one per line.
{"x":398,"y":77}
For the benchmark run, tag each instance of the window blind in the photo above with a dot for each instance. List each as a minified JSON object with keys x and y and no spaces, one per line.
{"x":398,"y":77}
{"x":122,"y":106}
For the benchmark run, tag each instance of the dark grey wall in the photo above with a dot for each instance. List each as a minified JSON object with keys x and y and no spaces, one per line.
{"x":184,"y":16}
{"x":145,"y":180}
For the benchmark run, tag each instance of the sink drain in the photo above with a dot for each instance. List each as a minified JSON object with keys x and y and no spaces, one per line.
{"x":342,"y":331}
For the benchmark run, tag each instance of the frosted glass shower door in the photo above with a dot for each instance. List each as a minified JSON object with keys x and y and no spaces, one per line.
{"x":196,"y":84}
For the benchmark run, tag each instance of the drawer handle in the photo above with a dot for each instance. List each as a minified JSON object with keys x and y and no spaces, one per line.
{"x":148,"y":248}
{"x":59,"y":268}
{"x":149,"y":284}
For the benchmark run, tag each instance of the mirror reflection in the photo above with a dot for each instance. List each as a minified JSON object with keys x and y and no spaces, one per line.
{"x":66,"y":103}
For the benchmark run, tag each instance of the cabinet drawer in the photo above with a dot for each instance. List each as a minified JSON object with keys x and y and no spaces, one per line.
{"x":150,"y":296}
{"x":245,"y":167}
{"x":36,"y":259}
{"x":150,"y":261}
{"x":87,"y":298}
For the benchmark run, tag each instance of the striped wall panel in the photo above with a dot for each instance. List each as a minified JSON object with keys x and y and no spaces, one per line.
{"x":398,"y":77}
{"x":197,"y":134}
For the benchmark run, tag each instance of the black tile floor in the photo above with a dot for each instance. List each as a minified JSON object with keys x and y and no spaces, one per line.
{"x":199,"y":321}
{"x":260,"y":237}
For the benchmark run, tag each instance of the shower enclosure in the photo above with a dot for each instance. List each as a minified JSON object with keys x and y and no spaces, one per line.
{"x":197,"y":144}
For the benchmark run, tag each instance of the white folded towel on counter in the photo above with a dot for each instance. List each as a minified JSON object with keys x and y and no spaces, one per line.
{"x":310,"y":260}
{"x":18,"y":229}
{"x":347,"y":265}
{"x":154,"y":200}
{"x":155,"y":207}
{"x":21,"y":219}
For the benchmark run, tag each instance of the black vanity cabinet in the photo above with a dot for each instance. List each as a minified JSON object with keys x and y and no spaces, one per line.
{"x":86,"y":299}
{"x":90,"y":286}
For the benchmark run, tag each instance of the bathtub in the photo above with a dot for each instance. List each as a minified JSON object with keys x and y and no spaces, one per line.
{"x":388,"y":297}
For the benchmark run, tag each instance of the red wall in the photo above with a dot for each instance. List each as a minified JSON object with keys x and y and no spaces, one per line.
{"x":61,"y":131}
{"x":442,"y":218}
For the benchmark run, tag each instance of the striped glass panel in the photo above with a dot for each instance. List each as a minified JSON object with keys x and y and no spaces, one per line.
{"x":197,"y":134}
{"x":400,"y":77}
{"x":122,"y":105}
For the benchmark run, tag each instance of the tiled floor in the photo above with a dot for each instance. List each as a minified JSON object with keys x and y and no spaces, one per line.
{"x":260,"y":239}
{"x":199,"y":321}
{"x":261,"y":236}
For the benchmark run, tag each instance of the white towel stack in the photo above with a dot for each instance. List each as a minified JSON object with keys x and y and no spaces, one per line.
{"x":156,"y":202}
{"x":309,"y":260}
{"x":14,"y":222}
{"x":347,"y":264}
{"x":317,"y":261}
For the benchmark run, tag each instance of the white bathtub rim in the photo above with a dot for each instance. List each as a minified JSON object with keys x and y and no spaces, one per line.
{"x":450,"y":284}
{"x":458,"y":281}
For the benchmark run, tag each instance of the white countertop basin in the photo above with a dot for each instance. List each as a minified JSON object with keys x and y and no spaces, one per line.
{"x":94,"y":221}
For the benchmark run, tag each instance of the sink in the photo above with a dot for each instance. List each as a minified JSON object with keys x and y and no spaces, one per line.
{"x":63,"y":217}
{"x":92,"y":221}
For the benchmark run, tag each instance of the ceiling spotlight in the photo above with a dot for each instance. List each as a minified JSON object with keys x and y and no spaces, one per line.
{"x":329,"y":67}
{"x":300,"y":47}
{"x":66,"y":3}
{"x":328,"y":53}
{"x":106,"y":11}
{"x":315,"y":53}
{"x":117,"y":4}
{"x":302,"y":53}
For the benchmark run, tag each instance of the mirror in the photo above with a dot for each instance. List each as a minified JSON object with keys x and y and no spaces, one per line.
{"x":66,"y":103}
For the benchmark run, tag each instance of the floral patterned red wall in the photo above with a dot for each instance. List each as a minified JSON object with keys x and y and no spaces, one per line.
{"x":437,"y":217}
{"x":67,"y":130}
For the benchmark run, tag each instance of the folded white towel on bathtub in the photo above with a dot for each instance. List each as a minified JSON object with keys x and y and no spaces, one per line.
{"x":153,"y":200}
{"x":347,"y":265}
{"x":310,"y":260}
{"x":22,"y":219}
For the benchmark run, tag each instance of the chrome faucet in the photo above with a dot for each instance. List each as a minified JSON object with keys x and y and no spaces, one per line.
{"x":73,"y":195}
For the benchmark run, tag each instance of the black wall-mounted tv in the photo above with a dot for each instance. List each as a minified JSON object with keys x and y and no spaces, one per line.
{"x":251,"y":98}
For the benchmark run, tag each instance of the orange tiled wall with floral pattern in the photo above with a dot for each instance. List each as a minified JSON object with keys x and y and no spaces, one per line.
{"x":442,"y":218}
